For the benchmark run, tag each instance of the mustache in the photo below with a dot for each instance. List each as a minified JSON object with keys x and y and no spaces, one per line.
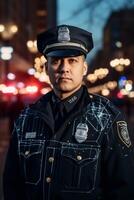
{"x":64,"y":76}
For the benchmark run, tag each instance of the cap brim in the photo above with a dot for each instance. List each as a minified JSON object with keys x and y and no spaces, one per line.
{"x":64,"y":53}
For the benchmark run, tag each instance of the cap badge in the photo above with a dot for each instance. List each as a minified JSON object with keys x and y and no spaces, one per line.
{"x":63,"y":34}
{"x":123,"y":133}
{"x":81,"y":132}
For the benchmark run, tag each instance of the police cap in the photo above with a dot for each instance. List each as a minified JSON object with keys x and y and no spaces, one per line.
{"x":64,"y":40}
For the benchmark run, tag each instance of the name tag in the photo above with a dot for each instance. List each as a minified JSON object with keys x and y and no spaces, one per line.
{"x":30,"y":135}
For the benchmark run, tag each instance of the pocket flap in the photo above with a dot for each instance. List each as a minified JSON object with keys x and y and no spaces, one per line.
{"x":30,"y":148}
{"x":80,"y":154}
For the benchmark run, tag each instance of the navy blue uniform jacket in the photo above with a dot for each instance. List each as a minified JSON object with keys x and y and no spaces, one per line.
{"x":89,"y":158}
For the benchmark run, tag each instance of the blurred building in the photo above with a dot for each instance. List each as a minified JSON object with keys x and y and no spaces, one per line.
{"x":118,"y":42}
{"x":119,"y":31}
{"x":22,"y":20}
{"x":117,"y":58}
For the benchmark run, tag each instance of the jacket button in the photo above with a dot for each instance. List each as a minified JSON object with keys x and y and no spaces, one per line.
{"x":27,"y":152}
{"x":79,"y":157}
{"x":51,"y":159}
{"x":48,"y":180}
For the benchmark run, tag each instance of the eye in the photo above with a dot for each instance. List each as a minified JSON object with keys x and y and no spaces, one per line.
{"x":55,"y":61}
{"x":72,"y":60}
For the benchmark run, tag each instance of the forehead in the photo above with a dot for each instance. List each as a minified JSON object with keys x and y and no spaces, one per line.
{"x":65,"y":58}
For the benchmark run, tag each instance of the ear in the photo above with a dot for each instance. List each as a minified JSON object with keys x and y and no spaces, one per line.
{"x":85,"y":68}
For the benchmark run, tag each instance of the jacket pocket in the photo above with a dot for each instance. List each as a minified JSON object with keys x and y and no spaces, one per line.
{"x":78,"y":168}
{"x":31,"y":157}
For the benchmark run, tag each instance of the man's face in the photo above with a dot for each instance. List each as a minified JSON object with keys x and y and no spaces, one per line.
{"x":66,"y":74}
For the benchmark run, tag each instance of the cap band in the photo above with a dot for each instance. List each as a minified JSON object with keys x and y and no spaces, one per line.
{"x":65,"y":44}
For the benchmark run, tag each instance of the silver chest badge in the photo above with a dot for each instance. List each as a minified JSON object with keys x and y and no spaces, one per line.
{"x":81,"y":132}
{"x":63,"y":34}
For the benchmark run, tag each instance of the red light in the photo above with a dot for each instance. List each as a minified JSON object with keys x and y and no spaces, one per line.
{"x":9,"y":89}
{"x":120,"y":95}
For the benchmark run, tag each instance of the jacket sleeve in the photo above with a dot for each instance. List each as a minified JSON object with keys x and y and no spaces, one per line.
{"x":118,"y":162}
{"x":12,"y":181}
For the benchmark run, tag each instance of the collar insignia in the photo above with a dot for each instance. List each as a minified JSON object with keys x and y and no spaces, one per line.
{"x":72,"y":99}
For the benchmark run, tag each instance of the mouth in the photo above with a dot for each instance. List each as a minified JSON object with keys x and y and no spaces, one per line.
{"x":64,"y":78}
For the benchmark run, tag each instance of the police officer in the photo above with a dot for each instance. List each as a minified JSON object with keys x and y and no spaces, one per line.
{"x":69,"y":145}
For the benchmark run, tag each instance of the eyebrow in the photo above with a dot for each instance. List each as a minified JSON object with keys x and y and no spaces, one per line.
{"x":61,"y":58}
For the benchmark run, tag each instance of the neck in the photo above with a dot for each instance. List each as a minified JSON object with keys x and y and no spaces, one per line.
{"x":63,"y":95}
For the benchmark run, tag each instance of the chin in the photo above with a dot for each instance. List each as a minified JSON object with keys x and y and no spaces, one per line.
{"x":64,"y":88}
{"x":67,"y":88}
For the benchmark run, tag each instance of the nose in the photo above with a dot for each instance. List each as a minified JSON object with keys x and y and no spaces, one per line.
{"x":64,"y":66}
